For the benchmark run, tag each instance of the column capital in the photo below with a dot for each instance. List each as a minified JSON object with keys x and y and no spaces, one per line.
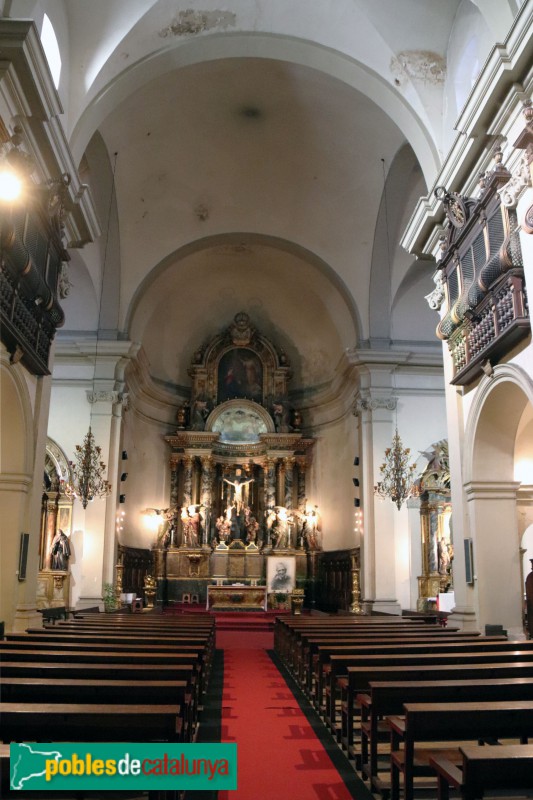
{"x":371,"y":401}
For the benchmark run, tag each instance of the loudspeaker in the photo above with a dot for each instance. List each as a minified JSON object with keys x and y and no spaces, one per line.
{"x":356,"y":502}
{"x":23,"y":555}
{"x":469,"y":561}
{"x":356,"y":461}
{"x":355,"y":481}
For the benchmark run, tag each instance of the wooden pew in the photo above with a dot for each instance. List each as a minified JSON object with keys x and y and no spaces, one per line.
{"x":300,"y":654}
{"x":78,"y":722}
{"x":359,"y":679}
{"x":297,"y":642}
{"x":53,"y":613}
{"x":302,"y":658}
{"x":185,"y":665}
{"x":388,"y":698}
{"x":105,"y":691}
{"x":320,"y":653}
{"x":339,"y":666}
{"x":82,"y":650}
{"x":285,"y":630}
{"x":449,"y":722}
{"x":509,"y":767}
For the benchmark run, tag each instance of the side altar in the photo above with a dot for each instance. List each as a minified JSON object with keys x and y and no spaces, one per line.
{"x":238,"y":473}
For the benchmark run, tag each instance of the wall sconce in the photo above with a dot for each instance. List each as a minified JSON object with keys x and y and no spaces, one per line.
{"x":122,"y":498}
{"x":124,"y":455}
{"x":123,"y":476}
{"x":15,"y":170}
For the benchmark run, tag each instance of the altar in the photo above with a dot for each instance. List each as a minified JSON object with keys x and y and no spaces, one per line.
{"x":236,"y":597}
{"x":238,"y":477}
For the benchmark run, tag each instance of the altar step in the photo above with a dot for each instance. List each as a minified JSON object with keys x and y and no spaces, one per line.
{"x":245,"y":621}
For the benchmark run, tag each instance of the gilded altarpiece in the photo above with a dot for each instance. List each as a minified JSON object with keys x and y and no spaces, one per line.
{"x":238,"y":462}
{"x":53,"y":583}
{"x":433,"y":488}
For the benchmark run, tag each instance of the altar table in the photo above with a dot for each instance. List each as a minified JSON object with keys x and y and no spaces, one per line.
{"x":237,"y":598}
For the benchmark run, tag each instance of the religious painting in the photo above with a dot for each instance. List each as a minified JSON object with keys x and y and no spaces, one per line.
{"x":281,"y":574}
{"x":240,"y":375}
{"x":64,"y":517}
{"x":240,"y":424}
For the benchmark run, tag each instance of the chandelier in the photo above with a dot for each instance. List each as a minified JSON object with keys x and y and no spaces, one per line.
{"x":397,"y":474}
{"x":87,"y":480}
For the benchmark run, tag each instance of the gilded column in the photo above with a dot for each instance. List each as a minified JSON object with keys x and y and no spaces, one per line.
{"x":270,"y":481}
{"x":280,"y":484}
{"x":302,"y":467}
{"x":50,"y":530}
{"x":174,"y":483}
{"x":206,"y":496}
{"x":269,"y":486}
{"x":187,"y":481}
{"x":289,"y":474}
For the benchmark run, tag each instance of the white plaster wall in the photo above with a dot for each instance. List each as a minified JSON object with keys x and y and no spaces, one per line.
{"x":468,"y":47}
{"x":148,"y":482}
{"x":330,"y":483}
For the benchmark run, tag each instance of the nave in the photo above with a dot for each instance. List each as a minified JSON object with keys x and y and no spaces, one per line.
{"x":326,"y":707}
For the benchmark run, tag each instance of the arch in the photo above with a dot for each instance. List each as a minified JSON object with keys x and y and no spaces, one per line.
{"x":16,"y":442}
{"x":57,"y":458}
{"x":280,"y":48}
{"x":16,"y":449}
{"x":215,"y":240}
{"x":490,"y":435}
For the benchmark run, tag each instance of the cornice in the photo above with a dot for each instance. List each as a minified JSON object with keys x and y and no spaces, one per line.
{"x":506,"y":65}
{"x":29,"y":92}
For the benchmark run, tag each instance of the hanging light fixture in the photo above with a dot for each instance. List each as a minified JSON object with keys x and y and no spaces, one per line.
{"x":397,"y":475}
{"x":87,"y":472}
{"x":87,"y":481}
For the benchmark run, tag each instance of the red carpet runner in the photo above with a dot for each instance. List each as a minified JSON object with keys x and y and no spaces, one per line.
{"x":279,"y":755}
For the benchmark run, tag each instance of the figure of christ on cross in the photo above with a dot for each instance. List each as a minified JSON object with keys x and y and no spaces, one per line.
{"x":238,"y":485}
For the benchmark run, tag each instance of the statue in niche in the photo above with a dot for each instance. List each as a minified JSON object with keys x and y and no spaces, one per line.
{"x":167,"y":530}
{"x":310,"y":528}
{"x":223,"y":526}
{"x":280,"y":529}
{"x":280,"y":415}
{"x":191,"y":525}
{"x":60,"y":551}
{"x":445,"y":556}
{"x":199,"y":414}
{"x":251,"y":525}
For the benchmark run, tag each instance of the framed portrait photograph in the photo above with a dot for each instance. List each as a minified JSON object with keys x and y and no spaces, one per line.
{"x":281,"y":574}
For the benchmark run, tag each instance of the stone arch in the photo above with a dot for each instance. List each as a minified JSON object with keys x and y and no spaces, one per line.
{"x":492,"y":494}
{"x":490,"y":435}
{"x":283,"y":48}
{"x":237,"y":237}
{"x":16,"y":447}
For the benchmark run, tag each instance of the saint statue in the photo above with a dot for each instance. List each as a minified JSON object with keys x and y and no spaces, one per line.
{"x":60,"y":551}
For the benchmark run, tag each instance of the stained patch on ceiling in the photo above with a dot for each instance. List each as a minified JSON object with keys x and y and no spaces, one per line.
{"x":190,"y":22}
{"x":418,"y":65}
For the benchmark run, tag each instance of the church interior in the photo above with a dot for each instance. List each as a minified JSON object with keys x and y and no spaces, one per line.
{"x":265,"y":329}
